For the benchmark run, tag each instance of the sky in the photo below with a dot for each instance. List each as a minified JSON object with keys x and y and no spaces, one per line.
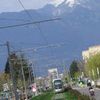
{"x":13,"y":5}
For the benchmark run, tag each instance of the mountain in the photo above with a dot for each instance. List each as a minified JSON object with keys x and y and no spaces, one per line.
{"x":69,"y":3}
{"x":78,"y":29}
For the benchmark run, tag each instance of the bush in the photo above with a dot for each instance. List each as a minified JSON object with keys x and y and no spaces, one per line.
{"x":44,"y":96}
{"x":78,"y":95}
{"x":67,"y":88}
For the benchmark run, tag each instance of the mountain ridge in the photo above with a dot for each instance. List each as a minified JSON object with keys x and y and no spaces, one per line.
{"x":78,"y":29}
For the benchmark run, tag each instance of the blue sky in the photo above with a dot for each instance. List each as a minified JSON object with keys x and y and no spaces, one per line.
{"x":13,"y":5}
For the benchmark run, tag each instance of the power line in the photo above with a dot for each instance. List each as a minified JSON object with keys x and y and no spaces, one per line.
{"x":24,"y":9}
{"x":29,"y":23}
{"x":43,"y":36}
{"x":27,"y":12}
{"x":30,"y":17}
{"x":13,"y":19}
{"x":41,"y":47}
{"x":38,"y":25}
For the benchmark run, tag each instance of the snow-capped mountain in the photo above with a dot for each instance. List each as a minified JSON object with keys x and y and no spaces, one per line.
{"x":79,"y":27}
{"x":69,"y":3}
{"x":68,"y":6}
{"x":63,"y":6}
{"x":90,"y":4}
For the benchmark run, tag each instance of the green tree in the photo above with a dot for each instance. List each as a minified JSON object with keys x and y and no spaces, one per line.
{"x":4,"y":78}
{"x":93,"y":66}
{"x":17,"y":62}
{"x":74,"y":69}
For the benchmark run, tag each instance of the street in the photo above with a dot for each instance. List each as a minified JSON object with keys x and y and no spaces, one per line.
{"x":86,"y":91}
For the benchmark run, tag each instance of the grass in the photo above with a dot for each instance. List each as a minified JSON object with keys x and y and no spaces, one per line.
{"x":44,"y":96}
{"x":75,"y":95}
{"x":70,"y":96}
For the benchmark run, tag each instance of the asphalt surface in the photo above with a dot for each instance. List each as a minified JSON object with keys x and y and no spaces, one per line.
{"x":86,"y":92}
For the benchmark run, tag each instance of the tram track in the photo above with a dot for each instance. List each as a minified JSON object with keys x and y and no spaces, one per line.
{"x":59,"y":96}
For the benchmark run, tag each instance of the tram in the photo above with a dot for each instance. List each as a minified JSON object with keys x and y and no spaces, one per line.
{"x":58,"y":85}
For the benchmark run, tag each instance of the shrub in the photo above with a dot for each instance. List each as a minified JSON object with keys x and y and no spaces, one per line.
{"x":78,"y":95}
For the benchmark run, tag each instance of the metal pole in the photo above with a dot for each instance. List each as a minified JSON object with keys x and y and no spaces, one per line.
{"x":34,"y":73}
{"x":29,"y":70}
{"x":24,"y":79}
{"x":65,"y":71}
{"x":11,"y":72}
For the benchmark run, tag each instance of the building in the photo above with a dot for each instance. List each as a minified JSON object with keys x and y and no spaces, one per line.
{"x":43,"y":83}
{"x":53,"y":73}
{"x":90,"y":52}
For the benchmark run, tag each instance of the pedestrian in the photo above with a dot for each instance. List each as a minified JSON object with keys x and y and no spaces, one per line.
{"x":89,"y":83}
{"x":93,"y":83}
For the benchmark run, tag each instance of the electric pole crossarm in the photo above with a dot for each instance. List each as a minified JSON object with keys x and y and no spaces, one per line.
{"x":29,"y":23}
{"x":41,"y":47}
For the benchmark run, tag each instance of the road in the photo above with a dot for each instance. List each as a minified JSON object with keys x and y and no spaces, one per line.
{"x":86,"y":91}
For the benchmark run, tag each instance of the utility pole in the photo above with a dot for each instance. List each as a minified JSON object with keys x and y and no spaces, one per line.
{"x":30,"y":76}
{"x":34,"y":73}
{"x":24,"y":82}
{"x":66,"y":74}
{"x":31,"y":71}
{"x":64,"y":69}
{"x":11,"y":72}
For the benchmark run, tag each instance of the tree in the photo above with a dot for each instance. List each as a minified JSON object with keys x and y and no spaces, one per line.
{"x":17,"y":62}
{"x":7,"y":69}
{"x":74,"y":69}
{"x":93,"y":66}
{"x":4,"y":78}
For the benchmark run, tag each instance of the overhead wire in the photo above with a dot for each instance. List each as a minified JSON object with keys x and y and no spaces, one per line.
{"x":42,"y":35}
{"x":13,"y":19}
{"x":41,"y":47}
{"x":24,"y":9}
{"x":28,"y":23}
{"x":38,"y":24}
